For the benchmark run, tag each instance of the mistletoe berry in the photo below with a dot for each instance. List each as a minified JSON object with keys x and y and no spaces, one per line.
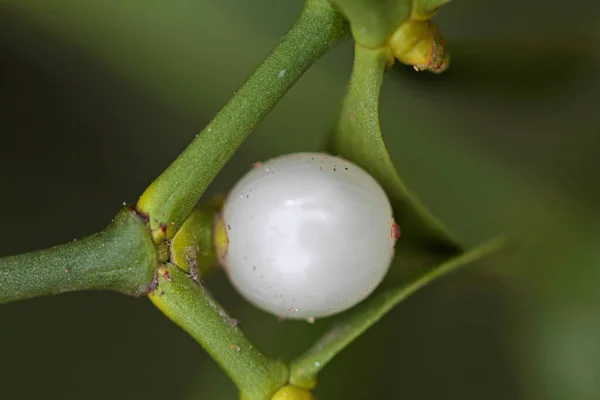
{"x":308,"y":235}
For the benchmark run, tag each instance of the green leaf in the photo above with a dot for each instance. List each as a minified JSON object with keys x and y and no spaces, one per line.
{"x":172,"y":196}
{"x":121,"y":258}
{"x":187,"y":303}
{"x":373,"y":21}
{"x":358,"y":138}
{"x":304,"y":370}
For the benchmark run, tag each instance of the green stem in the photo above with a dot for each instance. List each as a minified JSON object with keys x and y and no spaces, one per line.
{"x":192,"y":249}
{"x":344,"y":331}
{"x":374,"y":21}
{"x":188,"y":304}
{"x":358,"y":138}
{"x":122,"y":258}
{"x":173,"y":195}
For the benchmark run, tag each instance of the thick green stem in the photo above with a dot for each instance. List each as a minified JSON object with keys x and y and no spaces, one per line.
{"x":173,"y":195}
{"x":122,"y":258}
{"x":374,"y":21}
{"x":187,"y":303}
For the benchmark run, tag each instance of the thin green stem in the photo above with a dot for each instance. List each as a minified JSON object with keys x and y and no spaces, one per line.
{"x":173,"y":195}
{"x":304,"y":370}
{"x":187,"y":303}
{"x":358,"y":138}
{"x":122,"y":258}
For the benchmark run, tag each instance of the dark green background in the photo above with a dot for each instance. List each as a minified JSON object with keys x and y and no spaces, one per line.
{"x":96,"y":98}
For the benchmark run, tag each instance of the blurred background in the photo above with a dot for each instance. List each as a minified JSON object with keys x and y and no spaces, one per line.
{"x":97,"y":98}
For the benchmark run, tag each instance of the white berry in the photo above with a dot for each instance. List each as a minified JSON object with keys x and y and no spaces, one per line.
{"x":309,"y":235}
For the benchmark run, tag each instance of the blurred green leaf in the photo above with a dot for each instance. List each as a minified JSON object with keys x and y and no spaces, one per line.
{"x":533,"y":66}
{"x":357,"y":321}
{"x":358,"y":138}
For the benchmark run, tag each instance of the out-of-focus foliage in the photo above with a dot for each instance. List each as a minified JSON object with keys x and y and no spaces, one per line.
{"x":97,"y":98}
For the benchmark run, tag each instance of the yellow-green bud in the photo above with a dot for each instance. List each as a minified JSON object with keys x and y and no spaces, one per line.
{"x":293,"y":393}
{"x":420,"y":44}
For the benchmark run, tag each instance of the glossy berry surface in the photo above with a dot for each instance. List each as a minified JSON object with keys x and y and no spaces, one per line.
{"x":309,"y":235}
